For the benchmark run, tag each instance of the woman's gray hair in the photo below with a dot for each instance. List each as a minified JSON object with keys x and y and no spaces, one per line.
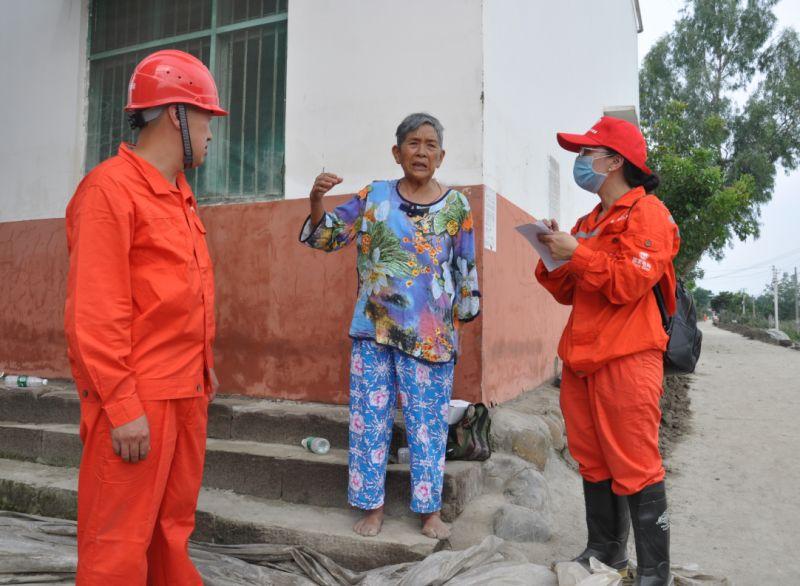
{"x":413,"y":121}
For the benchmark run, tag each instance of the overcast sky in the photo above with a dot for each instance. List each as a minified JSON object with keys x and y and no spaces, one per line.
{"x":747,"y":265}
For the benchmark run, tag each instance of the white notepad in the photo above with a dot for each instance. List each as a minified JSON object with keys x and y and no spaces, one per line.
{"x":531,"y":233}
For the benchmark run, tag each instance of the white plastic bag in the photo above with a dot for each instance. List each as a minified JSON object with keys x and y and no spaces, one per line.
{"x":574,"y":574}
{"x":602,"y":575}
{"x":570,"y":573}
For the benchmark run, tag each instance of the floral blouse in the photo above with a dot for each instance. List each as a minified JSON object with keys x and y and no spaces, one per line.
{"x":416,"y":267}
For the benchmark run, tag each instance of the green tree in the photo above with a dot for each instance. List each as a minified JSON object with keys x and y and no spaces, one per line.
{"x":764,"y":304}
{"x":720,"y":104}
{"x":702,"y":299}
{"x":732,"y":305}
{"x":786,"y":293}
{"x":724,"y":301}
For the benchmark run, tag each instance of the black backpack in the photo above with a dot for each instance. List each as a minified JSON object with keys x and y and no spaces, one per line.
{"x":685,"y":338}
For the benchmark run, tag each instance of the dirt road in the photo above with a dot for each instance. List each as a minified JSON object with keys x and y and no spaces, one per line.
{"x":734,"y":481}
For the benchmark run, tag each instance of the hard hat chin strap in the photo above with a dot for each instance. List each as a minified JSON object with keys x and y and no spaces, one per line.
{"x":187,"y":141}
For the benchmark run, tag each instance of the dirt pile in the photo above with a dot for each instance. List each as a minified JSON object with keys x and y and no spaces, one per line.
{"x":676,"y":412}
{"x":753,"y":333}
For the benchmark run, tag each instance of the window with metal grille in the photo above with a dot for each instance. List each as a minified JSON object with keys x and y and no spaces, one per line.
{"x":243,"y":42}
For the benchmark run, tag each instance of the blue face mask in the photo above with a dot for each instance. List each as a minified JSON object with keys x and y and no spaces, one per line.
{"x":585,"y":175}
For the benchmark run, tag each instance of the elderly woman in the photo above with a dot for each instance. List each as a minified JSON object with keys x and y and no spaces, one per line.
{"x":416,"y":278}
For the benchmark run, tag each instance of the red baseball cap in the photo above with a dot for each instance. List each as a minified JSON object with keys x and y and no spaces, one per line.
{"x":613,"y":133}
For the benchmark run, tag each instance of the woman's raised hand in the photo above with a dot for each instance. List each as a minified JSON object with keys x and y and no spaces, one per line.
{"x":323,"y":184}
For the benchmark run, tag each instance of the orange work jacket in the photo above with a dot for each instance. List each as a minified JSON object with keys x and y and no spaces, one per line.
{"x":609,"y":281}
{"x":139,"y":313}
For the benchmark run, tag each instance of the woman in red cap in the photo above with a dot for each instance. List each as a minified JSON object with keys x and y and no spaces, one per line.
{"x":613,"y":344}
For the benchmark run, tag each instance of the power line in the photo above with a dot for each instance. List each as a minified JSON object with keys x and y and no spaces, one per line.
{"x":761,"y":265}
{"x":750,"y":273}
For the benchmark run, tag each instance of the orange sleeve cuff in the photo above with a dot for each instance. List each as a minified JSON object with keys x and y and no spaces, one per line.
{"x":540,"y":271}
{"x":542,"y":274}
{"x":124,"y":411}
{"x":580,"y":260}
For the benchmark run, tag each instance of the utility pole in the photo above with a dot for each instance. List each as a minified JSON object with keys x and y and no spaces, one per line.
{"x":753,"y":299}
{"x":775,"y":294}
{"x":796,"y":303}
{"x":744,"y":299}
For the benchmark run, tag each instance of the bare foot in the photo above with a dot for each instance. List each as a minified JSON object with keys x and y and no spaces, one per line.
{"x":434,"y":527}
{"x":370,"y":524}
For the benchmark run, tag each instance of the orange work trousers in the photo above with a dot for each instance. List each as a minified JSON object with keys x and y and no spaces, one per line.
{"x":134,"y":520}
{"x":612,"y":418}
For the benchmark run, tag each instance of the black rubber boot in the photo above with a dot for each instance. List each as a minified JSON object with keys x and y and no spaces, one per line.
{"x":608,"y":523}
{"x":651,"y":532}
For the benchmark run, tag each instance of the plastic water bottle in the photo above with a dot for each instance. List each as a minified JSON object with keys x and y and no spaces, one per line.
{"x":403,"y":456}
{"x":24,"y":381}
{"x":317,"y":445}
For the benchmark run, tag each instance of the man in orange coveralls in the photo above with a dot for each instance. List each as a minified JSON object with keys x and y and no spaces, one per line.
{"x":613,"y":344}
{"x":140,"y":325}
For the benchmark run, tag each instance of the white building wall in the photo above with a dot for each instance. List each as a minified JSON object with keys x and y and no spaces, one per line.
{"x":43,"y":44}
{"x":551,"y":66}
{"x":502,"y":75}
{"x":356,"y":69}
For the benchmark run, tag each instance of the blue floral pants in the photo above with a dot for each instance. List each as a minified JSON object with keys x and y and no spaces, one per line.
{"x":380,"y":376}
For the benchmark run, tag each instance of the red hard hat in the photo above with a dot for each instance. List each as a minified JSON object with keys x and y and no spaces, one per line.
{"x":172,"y":77}
{"x":614,"y":133}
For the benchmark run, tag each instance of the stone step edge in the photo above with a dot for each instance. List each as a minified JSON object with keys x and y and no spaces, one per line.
{"x":335,"y":456}
{"x":226,"y":517}
{"x":227,"y":463}
{"x":230,"y":417}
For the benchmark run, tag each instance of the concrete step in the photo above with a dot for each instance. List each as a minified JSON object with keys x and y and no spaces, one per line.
{"x":272,"y":471}
{"x":225,"y":517}
{"x":230,"y":417}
